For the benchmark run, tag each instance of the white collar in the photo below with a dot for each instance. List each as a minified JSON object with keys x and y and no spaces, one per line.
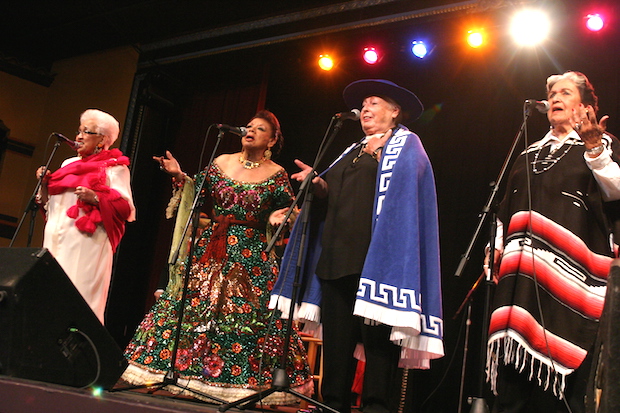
{"x":550,"y":138}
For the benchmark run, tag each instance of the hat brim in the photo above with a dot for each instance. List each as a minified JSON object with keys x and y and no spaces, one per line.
{"x":355,"y":93}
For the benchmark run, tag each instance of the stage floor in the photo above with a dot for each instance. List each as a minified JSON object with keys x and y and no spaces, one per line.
{"x":27,"y":396}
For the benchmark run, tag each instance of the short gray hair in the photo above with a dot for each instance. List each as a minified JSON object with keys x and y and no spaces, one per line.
{"x":586,"y":90}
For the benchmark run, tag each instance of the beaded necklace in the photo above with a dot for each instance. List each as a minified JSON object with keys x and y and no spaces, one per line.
{"x":248,"y":164}
{"x":548,"y":161}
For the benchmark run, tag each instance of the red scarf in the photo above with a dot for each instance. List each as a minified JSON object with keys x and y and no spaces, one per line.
{"x":90,"y":172}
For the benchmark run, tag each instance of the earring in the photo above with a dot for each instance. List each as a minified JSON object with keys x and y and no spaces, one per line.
{"x":267,"y":154}
{"x":99,"y":147}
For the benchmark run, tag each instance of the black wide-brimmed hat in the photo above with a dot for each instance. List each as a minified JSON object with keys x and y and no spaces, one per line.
{"x":355,"y":93}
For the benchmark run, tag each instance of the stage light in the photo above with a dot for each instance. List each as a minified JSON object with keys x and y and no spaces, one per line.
{"x":594,"y":22}
{"x":326,"y":62}
{"x":530,"y":27}
{"x":475,"y":38}
{"x":419,"y":49}
{"x":371,"y":56}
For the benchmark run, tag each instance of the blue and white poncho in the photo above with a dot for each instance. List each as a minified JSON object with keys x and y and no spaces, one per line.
{"x":400,"y":284}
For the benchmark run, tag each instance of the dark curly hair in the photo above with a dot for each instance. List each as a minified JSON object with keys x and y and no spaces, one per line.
{"x":270,"y":118}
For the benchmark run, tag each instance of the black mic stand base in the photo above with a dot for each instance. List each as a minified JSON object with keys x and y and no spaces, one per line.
{"x":478,"y":405}
{"x":280,"y":383}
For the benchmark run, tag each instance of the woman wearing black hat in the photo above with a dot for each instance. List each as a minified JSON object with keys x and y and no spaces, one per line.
{"x":379,"y":251}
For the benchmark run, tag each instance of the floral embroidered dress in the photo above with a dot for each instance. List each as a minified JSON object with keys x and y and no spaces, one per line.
{"x":230,"y":342}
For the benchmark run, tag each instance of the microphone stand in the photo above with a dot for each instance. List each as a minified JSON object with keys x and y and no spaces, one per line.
{"x":171,"y":378}
{"x":280,"y":381}
{"x":478,"y":403}
{"x":32,"y":205}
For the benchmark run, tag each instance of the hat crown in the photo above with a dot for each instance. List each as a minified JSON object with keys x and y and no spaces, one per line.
{"x":355,"y":93}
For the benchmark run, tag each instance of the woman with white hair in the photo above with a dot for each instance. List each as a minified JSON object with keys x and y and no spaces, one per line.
{"x":87,"y":202}
{"x":553,"y":253}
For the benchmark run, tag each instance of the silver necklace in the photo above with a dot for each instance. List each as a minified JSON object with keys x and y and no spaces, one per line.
{"x":548,"y":161}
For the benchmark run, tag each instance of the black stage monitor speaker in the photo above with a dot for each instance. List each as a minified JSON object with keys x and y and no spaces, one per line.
{"x":47,"y":331}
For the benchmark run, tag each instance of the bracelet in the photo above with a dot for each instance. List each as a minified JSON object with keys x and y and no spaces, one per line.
{"x":96,"y":199}
{"x":597,"y":150}
{"x":375,"y":153}
{"x":178,"y":183}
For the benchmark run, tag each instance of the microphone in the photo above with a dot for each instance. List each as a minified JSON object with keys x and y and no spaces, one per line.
{"x":353,"y":114}
{"x":73,"y":144}
{"x":542,"y":105}
{"x":237,"y":130}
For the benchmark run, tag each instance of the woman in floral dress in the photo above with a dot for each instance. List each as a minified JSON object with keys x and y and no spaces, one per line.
{"x":230,"y":341}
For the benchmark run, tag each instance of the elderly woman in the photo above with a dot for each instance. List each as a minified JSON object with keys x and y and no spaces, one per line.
{"x":379,"y":251}
{"x":553,"y":253}
{"x":230,"y":341}
{"x":87,"y":201}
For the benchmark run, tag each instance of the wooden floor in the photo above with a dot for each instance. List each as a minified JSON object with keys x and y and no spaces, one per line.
{"x":27,"y":396}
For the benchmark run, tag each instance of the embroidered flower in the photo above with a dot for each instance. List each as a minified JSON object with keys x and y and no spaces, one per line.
{"x":166,"y":334}
{"x":227,"y":197}
{"x":147,"y":323}
{"x":165,"y":354}
{"x":136,"y":355}
{"x":250,"y":199}
{"x":213,"y":366}
{"x":254,"y":363}
{"x":246,"y":252}
{"x":236,"y":348}
{"x":235,"y":370}
{"x":273,"y":346}
{"x":233,"y":240}
{"x":184,"y":359}
{"x":148,"y":359}
{"x":151,"y":343}
{"x":249,"y":232}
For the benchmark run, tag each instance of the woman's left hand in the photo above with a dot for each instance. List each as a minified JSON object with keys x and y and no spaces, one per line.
{"x":86,"y":195}
{"x":590,"y":131}
{"x":277,"y":217}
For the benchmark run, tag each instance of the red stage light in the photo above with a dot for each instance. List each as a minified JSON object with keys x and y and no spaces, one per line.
{"x":371,"y":56}
{"x":595,"y":22}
